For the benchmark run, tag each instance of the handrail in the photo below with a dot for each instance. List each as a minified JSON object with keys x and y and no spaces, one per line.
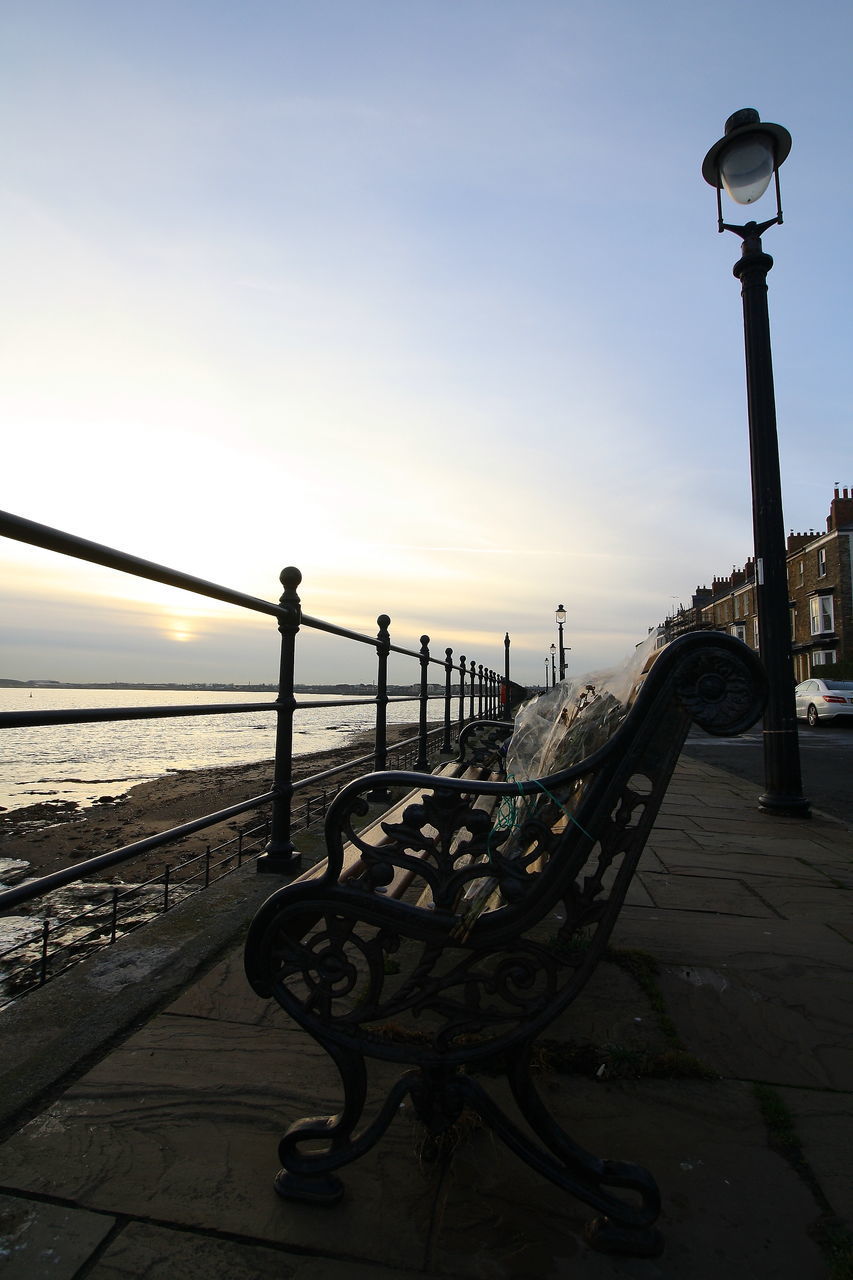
{"x":68,"y":544}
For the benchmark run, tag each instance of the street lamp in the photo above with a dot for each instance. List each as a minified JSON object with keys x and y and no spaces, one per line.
{"x":553,"y":665}
{"x":744,"y":161}
{"x":561,"y":618}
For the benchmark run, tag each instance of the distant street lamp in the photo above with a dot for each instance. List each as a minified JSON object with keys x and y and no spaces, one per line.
{"x":561,"y":618}
{"x":553,"y":665}
{"x":546,"y":675}
{"x":743,"y":161}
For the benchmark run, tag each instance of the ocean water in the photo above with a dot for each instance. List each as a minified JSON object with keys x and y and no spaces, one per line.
{"x":84,"y":762}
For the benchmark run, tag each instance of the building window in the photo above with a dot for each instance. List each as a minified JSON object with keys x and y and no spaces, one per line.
{"x":755,"y":641}
{"x":821,"y":615}
{"x":739,"y":630}
{"x":821,"y":657}
{"x":821,"y":562}
{"x":800,"y":572}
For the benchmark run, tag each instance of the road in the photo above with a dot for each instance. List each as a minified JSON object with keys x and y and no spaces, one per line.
{"x":826,"y":760}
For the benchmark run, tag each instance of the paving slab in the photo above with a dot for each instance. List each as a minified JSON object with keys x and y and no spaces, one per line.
{"x":722,"y":895}
{"x":651,"y":861}
{"x":724,"y":823}
{"x":840,"y":874}
{"x":612,"y":1012}
{"x":47,"y":1241}
{"x":754,"y":866}
{"x":224,"y":995}
{"x":768,"y":843}
{"x":823,"y":1121}
{"x":691,"y":936}
{"x":638,"y":894}
{"x":796,"y":900}
{"x":732,"y":1208}
{"x":777,"y":1020}
{"x":672,"y":838}
{"x":158,"y":1253}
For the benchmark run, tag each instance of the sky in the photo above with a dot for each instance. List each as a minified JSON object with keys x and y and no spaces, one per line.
{"x":425,"y":297}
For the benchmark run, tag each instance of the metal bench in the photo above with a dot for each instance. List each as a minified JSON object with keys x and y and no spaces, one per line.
{"x":448,"y":935}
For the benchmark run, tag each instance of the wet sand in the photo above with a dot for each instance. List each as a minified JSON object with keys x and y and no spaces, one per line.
{"x":53,"y":835}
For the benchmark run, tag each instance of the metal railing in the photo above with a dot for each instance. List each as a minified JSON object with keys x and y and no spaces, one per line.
{"x":470,"y":691}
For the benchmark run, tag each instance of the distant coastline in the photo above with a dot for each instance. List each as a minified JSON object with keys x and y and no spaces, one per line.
{"x":132,"y":684}
{"x":355,"y":690}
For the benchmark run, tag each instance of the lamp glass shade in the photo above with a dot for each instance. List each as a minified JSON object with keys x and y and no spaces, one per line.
{"x":746,"y":167}
{"x":561,"y":615}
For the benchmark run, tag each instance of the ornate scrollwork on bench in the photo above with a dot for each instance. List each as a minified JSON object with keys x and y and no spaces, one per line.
{"x":458,"y":928}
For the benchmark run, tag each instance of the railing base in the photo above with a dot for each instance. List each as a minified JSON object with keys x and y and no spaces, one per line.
{"x":279,"y":864}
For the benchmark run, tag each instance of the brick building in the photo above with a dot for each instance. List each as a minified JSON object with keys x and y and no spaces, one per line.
{"x":820,"y":591}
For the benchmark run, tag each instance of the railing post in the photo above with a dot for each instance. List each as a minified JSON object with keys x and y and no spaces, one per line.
{"x":383,"y":648}
{"x":380,"y":746}
{"x":472,"y":672}
{"x":506,"y":673}
{"x":448,"y":676}
{"x":45,"y":934}
{"x":279,"y":856}
{"x":461,"y":692}
{"x":422,"y":762}
{"x":480,"y":692}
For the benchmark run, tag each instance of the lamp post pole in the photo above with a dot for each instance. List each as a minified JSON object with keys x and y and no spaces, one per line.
{"x":553,"y":665}
{"x":561,"y":618}
{"x":743,"y":161}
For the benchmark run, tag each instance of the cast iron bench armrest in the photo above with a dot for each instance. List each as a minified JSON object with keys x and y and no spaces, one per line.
{"x":502,"y":898}
{"x":346,"y":862}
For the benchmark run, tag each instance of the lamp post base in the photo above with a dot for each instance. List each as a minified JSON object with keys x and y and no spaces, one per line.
{"x":784,"y":806}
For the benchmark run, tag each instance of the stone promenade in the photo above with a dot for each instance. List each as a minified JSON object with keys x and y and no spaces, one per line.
{"x":142,"y":1122}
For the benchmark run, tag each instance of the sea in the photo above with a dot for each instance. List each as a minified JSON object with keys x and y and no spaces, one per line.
{"x":84,"y":762}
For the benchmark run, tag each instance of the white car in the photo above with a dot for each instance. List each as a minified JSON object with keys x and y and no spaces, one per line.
{"x":824,"y":700}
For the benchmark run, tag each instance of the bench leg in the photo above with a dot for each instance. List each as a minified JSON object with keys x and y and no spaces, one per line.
{"x":626,"y":1227}
{"x":308,"y":1175}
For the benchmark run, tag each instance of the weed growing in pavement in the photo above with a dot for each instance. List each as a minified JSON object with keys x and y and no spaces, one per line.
{"x":643,"y":968}
{"x":832,"y":1237}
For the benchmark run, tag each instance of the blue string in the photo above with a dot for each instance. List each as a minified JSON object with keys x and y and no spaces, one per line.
{"x":508,"y":808}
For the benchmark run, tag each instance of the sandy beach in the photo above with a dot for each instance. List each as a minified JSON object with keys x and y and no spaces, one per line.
{"x":51,"y":836}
